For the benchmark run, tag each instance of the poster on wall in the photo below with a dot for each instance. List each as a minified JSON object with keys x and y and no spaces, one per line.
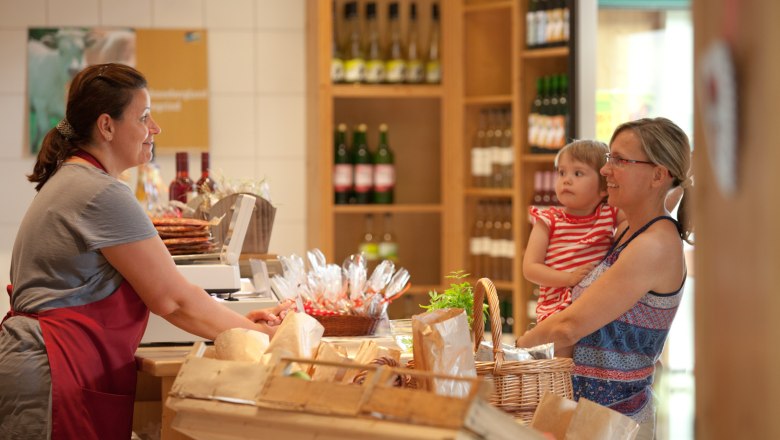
{"x":173,"y":61}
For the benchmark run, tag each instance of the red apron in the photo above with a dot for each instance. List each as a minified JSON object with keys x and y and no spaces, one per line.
{"x":91,"y":350}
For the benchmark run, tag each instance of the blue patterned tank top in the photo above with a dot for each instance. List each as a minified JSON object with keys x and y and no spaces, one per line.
{"x":614,"y":365}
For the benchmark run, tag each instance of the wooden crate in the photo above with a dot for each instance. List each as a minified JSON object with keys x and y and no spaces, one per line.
{"x":216,"y":399}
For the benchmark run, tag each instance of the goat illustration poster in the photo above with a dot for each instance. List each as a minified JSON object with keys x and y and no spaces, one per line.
{"x":174,"y":62}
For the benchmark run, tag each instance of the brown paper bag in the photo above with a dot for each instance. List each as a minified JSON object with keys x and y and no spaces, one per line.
{"x":442,"y":344}
{"x":583,"y":420}
{"x":553,"y":415}
{"x":592,"y":421}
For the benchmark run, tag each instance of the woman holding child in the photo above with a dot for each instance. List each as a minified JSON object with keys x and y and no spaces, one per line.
{"x":622,"y":310}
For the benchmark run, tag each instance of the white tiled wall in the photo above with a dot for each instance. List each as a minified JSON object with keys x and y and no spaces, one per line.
{"x":257,"y":104}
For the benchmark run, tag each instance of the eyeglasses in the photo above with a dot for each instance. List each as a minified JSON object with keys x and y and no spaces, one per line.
{"x":619,"y":162}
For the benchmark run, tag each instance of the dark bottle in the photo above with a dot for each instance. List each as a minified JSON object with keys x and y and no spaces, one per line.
{"x":535,"y":118}
{"x":205,"y":184}
{"x":182,"y":187}
{"x":384,"y":169}
{"x":364,"y":167}
{"x":343,"y":169}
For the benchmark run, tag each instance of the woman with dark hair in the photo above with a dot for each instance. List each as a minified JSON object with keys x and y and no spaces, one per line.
{"x":87,"y":267}
{"x":621,"y":312}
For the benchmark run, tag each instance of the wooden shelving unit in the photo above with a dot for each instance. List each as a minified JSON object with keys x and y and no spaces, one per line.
{"x":421,"y":134}
{"x":485,"y":64}
{"x":500,"y":71}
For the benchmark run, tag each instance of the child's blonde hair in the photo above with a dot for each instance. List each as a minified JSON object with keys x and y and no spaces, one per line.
{"x":589,"y":152}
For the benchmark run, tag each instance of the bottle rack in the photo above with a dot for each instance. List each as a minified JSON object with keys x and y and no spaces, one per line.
{"x":501,"y":71}
{"x":420,"y":137}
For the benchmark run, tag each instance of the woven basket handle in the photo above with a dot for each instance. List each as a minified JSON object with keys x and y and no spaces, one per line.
{"x":486,"y":287}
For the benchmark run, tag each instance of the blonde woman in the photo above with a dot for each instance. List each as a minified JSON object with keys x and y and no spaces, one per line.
{"x":621,"y":312}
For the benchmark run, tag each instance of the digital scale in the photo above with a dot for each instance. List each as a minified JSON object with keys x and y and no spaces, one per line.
{"x":219,"y":275}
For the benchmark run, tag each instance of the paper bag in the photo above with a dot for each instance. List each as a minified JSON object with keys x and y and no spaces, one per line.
{"x":553,"y":415}
{"x":592,"y":421}
{"x":583,"y":420}
{"x":442,"y":344}
{"x":298,"y":334}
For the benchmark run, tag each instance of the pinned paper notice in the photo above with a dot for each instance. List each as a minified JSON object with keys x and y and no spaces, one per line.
{"x":718,"y":94}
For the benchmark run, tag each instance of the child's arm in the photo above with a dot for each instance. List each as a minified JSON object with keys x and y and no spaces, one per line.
{"x":537,"y":272}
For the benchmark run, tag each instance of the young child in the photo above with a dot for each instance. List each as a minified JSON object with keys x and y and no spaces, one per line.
{"x":567,"y":242}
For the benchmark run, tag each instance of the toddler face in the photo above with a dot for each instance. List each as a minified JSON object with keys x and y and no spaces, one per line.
{"x":577,"y":186}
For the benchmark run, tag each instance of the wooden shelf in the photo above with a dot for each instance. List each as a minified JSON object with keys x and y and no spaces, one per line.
{"x":489,"y":192}
{"x":538,"y":158}
{"x":433,"y":208}
{"x":487,"y":6}
{"x":488,"y":100}
{"x":372,"y":91}
{"x":547,"y":52}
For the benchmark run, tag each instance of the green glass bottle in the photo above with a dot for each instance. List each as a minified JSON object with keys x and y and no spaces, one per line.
{"x":535,"y":118}
{"x":343,"y":169}
{"x":384,"y":169}
{"x":364,"y":167}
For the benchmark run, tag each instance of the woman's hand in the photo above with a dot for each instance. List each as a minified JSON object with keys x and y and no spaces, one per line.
{"x":272,"y":316}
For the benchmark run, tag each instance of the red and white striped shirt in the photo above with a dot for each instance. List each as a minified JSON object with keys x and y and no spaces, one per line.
{"x":574,"y":241}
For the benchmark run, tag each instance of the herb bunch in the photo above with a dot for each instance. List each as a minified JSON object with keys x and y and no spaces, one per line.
{"x":460,"y":295}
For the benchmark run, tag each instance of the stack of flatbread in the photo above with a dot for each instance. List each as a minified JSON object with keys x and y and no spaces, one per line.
{"x":184,"y":236}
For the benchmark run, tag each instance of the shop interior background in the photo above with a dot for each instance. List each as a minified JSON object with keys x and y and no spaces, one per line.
{"x":256,"y":71}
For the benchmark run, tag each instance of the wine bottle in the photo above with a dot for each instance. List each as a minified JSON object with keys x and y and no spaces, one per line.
{"x":433,"y":64}
{"x":355,"y":65}
{"x":205,"y":184}
{"x":384,"y":169}
{"x":336,"y":59}
{"x":479,"y":157}
{"x":388,"y":247}
{"x":535,"y":118}
{"x":375,"y":65}
{"x":182,"y":187}
{"x":530,"y":23}
{"x":364,"y":167}
{"x":414,"y":64}
{"x":343,"y":169}
{"x":475,"y":241}
{"x":395,"y":67}
{"x":368,"y":245}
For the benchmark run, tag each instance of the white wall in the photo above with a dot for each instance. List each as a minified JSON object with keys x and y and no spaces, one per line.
{"x":256,"y":73}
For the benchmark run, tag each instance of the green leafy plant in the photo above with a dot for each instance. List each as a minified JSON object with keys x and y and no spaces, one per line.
{"x":460,"y":295}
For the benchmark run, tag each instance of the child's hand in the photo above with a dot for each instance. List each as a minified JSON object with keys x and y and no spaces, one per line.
{"x":580,"y":272}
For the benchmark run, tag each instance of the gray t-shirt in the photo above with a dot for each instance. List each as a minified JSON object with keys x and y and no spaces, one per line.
{"x":56,"y":258}
{"x":57,"y":262}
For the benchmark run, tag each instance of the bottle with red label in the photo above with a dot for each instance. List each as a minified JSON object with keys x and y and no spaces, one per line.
{"x":364,"y":167}
{"x":384,"y":169}
{"x":343,"y":169}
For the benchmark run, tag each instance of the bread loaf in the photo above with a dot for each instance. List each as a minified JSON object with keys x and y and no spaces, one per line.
{"x":240,"y":344}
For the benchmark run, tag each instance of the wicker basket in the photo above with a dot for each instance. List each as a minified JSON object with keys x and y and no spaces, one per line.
{"x":348,"y":325}
{"x":518,"y":385}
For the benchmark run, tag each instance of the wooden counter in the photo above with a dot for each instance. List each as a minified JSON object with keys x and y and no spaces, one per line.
{"x":157,"y":369}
